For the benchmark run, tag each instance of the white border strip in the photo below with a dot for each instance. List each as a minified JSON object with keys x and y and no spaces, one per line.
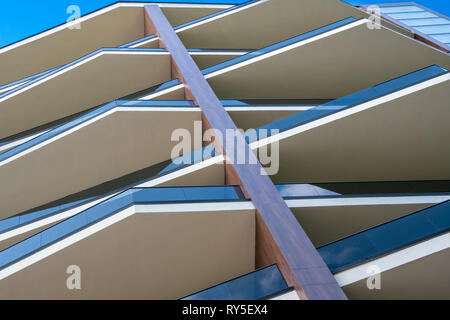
{"x":13,"y":86}
{"x":195,"y":207}
{"x":395,"y":259}
{"x":182,"y":172}
{"x":268,"y":108}
{"x":290,"y":295}
{"x":105,"y":10}
{"x":19,"y":141}
{"x":162,"y":92}
{"x":365,"y":201}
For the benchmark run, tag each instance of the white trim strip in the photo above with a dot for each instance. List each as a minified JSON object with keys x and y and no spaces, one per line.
{"x":13,"y":86}
{"x":395,"y":259}
{"x":269,"y":108}
{"x":17,"y":142}
{"x":195,"y":207}
{"x":290,"y":295}
{"x":158,"y":109}
{"x":181,"y":172}
{"x":162,"y":92}
{"x":217,"y":53}
{"x":136,"y":45}
{"x":365,"y":201}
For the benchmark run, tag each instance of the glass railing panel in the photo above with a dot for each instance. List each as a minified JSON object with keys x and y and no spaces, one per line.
{"x":252,"y":286}
{"x":365,"y":188}
{"x":385,"y":238}
{"x":356,"y":98}
{"x":187,"y":194}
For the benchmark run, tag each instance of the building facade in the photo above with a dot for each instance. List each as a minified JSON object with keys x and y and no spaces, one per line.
{"x":278,"y":149}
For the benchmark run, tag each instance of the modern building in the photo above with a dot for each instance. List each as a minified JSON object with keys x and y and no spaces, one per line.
{"x":124,"y":175}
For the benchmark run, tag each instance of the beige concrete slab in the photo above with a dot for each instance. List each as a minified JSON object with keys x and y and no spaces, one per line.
{"x":118,"y":144}
{"x":93,"y":82}
{"x":145,"y":256}
{"x":404,"y":139}
{"x":327,"y":224}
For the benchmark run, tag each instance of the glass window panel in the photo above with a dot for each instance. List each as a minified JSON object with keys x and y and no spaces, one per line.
{"x":383,"y":239}
{"x":412,"y":15}
{"x":424,"y":22}
{"x":434,"y":29}
{"x":400,"y":9}
{"x":252,"y":286}
{"x":444,"y":38}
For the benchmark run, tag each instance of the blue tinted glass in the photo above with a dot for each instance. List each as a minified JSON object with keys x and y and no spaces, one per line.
{"x":400,"y":9}
{"x":385,"y":238}
{"x":9,"y":223}
{"x":347,"y":251}
{"x":412,"y":15}
{"x":302,"y":190}
{"x":444,"y":38}
{"x":211,"y":193}
{"x":394,"y":234}
{"x":424,"y":22}
{"x":25,"y":247}
{"x":255,"y":285}
{"x":110,"y":206}
{"x":434,"y":29}
{"x":439,"y":216}
{"x":355,"y":98}
{"x":277,"y":45}
{"x":63,"y":229}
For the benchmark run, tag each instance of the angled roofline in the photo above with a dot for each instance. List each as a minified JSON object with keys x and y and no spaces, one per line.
{"x":106,"y":9}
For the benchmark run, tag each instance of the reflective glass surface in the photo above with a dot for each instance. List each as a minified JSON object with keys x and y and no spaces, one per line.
{"x":388,"y":237}
{"x":255,"y":285}
{"x":355,"y":99}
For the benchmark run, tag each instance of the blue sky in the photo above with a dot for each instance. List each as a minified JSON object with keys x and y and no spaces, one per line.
{"x":24,"y":18}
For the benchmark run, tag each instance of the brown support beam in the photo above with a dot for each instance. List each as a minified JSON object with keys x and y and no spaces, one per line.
{"x":280,"y":237}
